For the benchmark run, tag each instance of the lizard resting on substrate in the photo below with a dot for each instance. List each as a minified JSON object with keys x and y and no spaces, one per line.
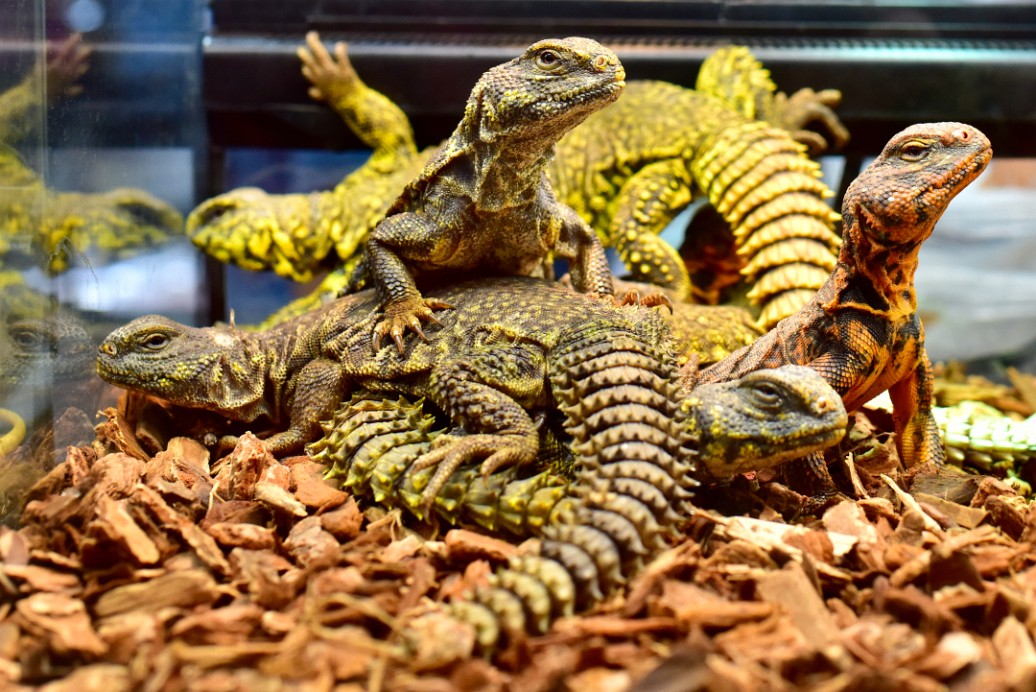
{"x":510,"y":349}
{"x":861,"y":331}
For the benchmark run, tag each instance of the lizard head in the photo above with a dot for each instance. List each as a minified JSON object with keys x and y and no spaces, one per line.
{"x":898,"y":198}
{"x":251,"y":229}
{"x":552,"y":87}
{"x":763,"y":419}
{"x":211,"y":368}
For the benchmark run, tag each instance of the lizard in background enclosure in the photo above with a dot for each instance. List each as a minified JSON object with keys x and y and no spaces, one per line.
{"x":662,"y":133}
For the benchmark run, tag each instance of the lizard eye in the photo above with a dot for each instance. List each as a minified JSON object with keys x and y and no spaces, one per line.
{"x":913,"y":151}
{"x":28,"y":340}
{"x":155,"y":342}
{"x":548,"y":59}
{"x":766,"y":396}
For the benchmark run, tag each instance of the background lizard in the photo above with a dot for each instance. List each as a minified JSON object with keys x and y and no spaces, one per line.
{"x":645,"y":147}
{"x":861,"y":331}
{"x":47,"y":227}
{"x":630,"y":169}
{"x":293,"y":234}
{"x":483,"y":203}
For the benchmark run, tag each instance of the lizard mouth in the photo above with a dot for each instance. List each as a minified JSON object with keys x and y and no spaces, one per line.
{"x":881,"y":229}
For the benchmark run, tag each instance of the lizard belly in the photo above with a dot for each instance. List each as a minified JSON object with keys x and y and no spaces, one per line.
{"x":508,"y":242}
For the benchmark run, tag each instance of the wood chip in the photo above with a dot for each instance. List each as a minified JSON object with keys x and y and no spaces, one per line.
{"x":344,"y":522}
{"x":912,"y":504}
{"x":114,"y":520}
{"x":310,"y":545}
{"x":692,"y":605}
{"x":464,"y":545}
{"x":184,"y":589}
{"x":792,"y":590}
{"x":203,"y":544}
{"x":39,"y":578}
{"x":961,"y":515}
{"x":312,"y":490}
{"x":247,"y":536}
{"x":64,"y":621}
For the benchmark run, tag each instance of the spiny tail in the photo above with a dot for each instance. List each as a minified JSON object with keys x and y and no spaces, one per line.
{"x":763,"y":184}
{"x":983,"y":438}
{"x":372,"y":441}
{"x":619,"y":394}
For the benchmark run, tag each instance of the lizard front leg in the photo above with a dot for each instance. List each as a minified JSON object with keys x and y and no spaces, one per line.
{"x":579,"y":244}
{"x":406,"y":235}
{"x":319,"y":388}
{"x":917,"y":434}
{"x":647,"y":203}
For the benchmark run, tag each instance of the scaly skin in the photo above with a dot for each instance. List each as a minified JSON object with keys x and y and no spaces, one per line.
{"x":604,"y":511}
{"x":510,"y":349}
{"x":665,"y":142}
{"x":733,"y":75}
{"x":982,"y":437}
{"x":485,"y":368}
{"x":294,"y":234}
{"x":483,"y":203}
{"x":48,"y":227}
{"x":861,"y":331}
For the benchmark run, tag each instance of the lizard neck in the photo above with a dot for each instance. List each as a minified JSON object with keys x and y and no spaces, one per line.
{"x":872,"y":277}
{"x":240,"y":381}
{"x":507,"y":170}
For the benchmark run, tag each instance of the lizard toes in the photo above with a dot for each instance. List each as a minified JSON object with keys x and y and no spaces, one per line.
{"x":498,"y":460}
{"x":650,"y":300}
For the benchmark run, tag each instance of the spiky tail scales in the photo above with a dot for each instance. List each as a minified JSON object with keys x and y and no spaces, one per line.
{"x":770,"y":193}
{"x":619,"y":394}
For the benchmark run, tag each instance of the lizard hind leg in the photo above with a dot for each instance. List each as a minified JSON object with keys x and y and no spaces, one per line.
{"x":451,"y":452}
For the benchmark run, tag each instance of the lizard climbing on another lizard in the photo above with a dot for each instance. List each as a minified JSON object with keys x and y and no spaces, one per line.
{"x":861,"y":331}
{"x":485,"y":369}
{"x":483,"y":203}
{"x":510,"y":349}
{"x":294,"y":234}
{"x":628,"y":170}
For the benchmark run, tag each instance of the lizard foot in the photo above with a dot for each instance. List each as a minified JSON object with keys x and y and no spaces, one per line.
{"x":407,"y":313}
{"x":450,"y":452}
{"x":329,"y":75}
{"x":651,"y":300}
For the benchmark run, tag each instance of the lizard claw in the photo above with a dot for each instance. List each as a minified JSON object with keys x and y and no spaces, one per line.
{"x":450,"y":452}
{"x":651,"y":300}
{"x":330,"y":75}
{"x":404,"y":314}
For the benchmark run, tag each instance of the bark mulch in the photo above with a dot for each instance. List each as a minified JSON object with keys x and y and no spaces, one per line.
{"x":138,"y":563}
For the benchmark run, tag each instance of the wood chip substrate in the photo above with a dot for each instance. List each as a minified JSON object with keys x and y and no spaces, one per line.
{"x":136,"y":565}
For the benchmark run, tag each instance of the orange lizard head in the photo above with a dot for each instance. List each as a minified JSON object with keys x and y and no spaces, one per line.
{"x":899,"y":197}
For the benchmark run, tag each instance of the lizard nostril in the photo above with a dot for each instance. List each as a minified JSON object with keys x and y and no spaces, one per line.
{"x":107,"y":349}
{"x":600,"y":63}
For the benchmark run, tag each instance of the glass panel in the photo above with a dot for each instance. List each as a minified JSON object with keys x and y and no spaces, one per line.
{"x":99,"y":128}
